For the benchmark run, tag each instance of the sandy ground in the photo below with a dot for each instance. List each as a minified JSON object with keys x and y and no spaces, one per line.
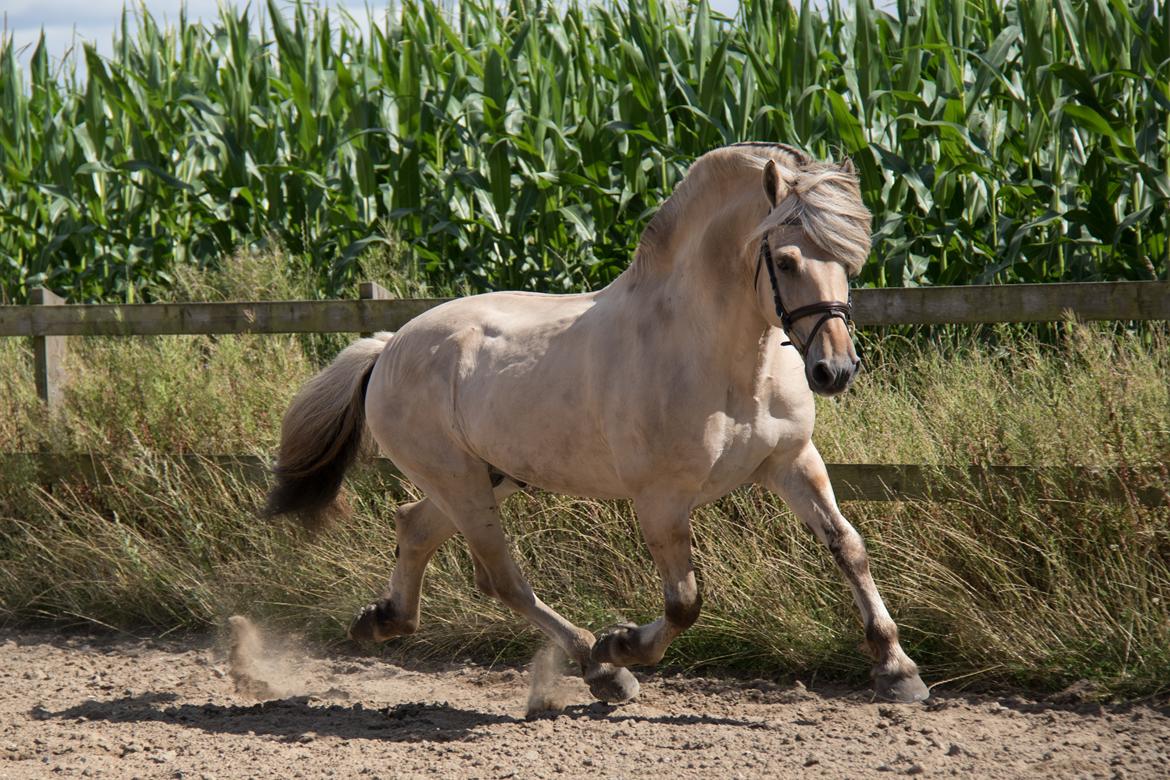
{"x":97,"y":706}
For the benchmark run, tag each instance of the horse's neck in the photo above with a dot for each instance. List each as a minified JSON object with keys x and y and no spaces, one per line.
{"x":707,"y":284}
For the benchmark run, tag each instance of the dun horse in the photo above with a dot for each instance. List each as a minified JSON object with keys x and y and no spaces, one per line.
{"x":691,"y":374}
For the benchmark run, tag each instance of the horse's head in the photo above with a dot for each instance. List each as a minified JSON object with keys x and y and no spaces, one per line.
{"x":815,"y":235}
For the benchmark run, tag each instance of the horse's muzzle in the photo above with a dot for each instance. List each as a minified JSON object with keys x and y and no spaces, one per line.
{"x":832,"y":377}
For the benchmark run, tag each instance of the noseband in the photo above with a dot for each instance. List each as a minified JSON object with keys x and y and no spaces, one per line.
{"x":827,"y":309}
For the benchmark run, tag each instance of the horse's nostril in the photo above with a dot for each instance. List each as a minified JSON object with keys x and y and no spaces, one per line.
{"x":821,"y":373}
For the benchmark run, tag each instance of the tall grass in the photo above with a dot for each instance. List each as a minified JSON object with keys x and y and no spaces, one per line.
{"x":1039,"y":587}
{"x":524,"y":145}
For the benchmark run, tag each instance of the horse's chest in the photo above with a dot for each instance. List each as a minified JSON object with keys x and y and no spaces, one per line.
{"x":736,"y":446}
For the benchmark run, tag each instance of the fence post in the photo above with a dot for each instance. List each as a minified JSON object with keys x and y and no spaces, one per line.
{"x":49,"y":354}
{"x":372,"y":291}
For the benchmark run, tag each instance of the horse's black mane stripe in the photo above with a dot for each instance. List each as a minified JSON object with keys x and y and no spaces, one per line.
{"x":802,"y":156}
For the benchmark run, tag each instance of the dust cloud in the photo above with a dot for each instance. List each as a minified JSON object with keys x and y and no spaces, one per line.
{"x":259,"y":669}
{"x":547,"y":690}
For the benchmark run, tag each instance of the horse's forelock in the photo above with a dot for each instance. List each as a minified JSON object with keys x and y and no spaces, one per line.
{"x":834,"y":215}
{"x":825,"y":200}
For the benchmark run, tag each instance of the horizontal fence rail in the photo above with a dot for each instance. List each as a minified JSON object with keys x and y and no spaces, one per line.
{"x":851,"y":481}
{"x":157,"y":319}
{"x":980,"y":304}
{"x":973,"y":304}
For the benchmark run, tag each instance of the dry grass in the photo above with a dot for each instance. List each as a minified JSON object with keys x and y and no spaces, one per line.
{"x":1040,"y":588}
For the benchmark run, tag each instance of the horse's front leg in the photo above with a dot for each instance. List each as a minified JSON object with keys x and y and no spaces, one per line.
{"x":803,"y":482}
{"x":666,"y":526}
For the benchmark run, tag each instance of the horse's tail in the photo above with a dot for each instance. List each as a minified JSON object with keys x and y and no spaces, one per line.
{"x":322,"y":434}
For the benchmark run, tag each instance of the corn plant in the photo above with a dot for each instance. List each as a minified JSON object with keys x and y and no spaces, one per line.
{"x":525,"y":145}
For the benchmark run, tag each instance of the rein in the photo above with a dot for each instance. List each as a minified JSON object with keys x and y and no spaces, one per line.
{"x":827,"y":309}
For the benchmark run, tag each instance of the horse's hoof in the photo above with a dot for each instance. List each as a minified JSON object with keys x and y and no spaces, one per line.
{"x":612,"y":684}
{"x":376,"y":623}
{"x":904,"y":689}
{"x":614,"y":646}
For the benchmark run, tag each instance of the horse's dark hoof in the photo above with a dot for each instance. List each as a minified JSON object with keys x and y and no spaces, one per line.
{"x":615,"y":646}
{"x":612,"y":684}
{"x":904,"y":688}
{"x":377,"y":622}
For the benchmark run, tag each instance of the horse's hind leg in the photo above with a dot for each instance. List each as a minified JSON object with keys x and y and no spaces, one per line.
{"x":666,"y":527}
{"x":467,"y":498}
{"x":804,"y":484}
{"x":420,"y":529}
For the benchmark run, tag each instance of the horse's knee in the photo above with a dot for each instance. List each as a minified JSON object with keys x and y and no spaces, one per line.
{"x":406,"y":522}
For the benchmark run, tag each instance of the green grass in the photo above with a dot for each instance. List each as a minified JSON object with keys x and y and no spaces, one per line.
{"x":525,"y":144}
{"x":1038,"y":589}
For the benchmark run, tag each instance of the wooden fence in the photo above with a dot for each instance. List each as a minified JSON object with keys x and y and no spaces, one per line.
{"x":49,"y":321}
{"x":377,"y":310}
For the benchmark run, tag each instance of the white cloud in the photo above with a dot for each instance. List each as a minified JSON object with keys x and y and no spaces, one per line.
{"x":66,"y":22}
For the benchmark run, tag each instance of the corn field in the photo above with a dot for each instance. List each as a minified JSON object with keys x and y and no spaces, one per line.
{"x":525,"y":145}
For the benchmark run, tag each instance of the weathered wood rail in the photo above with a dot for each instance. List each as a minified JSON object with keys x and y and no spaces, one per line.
{"x":966,"y":305}
{"x":49,"y":321}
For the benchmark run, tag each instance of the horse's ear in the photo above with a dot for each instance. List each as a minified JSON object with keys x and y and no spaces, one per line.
{"x":846,"y":166}
{"x":772,"y":182}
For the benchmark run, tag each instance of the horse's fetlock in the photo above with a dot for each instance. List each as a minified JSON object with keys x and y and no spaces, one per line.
{"x":881,"y":640}
{"x":391,"y":619}
{"x":882,"y":632}
{"x":895,"y":666}
{"x":381,"y":621}
{"x":682,"y":613}
{"x":651,"y":657}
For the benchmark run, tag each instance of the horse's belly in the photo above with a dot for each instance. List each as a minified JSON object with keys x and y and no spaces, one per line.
{"x":552,"y":453}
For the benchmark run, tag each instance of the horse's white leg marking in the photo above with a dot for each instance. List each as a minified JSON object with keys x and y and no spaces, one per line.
{"x":804,"y":484}
{"x":666,"y":526}
{"x":421,"y":528}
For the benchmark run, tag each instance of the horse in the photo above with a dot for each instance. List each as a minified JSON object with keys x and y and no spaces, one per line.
{"x":691,"y":374}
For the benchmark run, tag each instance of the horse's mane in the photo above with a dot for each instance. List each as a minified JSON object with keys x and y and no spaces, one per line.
{"x":824,"y":198}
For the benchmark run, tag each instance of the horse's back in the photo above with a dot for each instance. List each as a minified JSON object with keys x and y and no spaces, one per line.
{"x":507,"y":377}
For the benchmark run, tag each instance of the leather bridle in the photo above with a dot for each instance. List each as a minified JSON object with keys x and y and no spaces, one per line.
{"x":827,"y":309}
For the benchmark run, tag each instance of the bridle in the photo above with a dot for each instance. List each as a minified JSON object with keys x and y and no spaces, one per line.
{"x":827,"y":309}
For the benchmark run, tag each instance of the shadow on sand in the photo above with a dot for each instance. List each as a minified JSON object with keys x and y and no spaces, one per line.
{"x":302,"y":719}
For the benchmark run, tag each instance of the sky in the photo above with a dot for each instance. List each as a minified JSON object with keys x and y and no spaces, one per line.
{"x":96,"y":20}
